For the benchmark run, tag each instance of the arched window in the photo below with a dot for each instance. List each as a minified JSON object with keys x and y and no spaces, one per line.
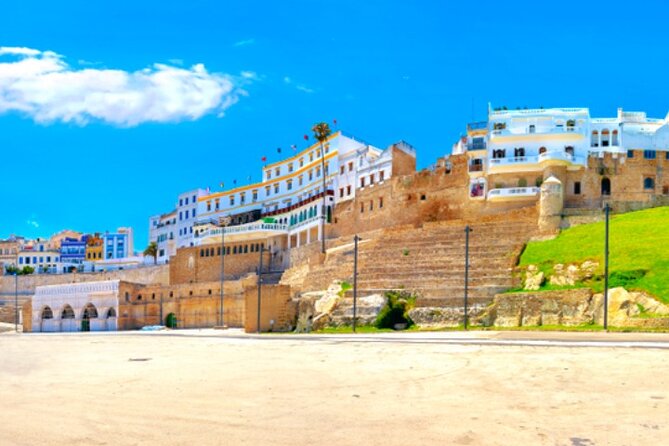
{"x":594,"y":141}
{"x":569,"y":150}
{"x":90,"y":312}
{"x":614,"y":138}
{"x":605,"y":138}
{"x":111,"y":313}
{"x":542,"y":150}
{"x":67,"y":313}
{"x":47,"y":313}
{"x":606,"y":187}
{"x":648,"y":183}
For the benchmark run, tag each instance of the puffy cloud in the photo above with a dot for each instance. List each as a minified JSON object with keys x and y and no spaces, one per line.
{"x":42,"y":85}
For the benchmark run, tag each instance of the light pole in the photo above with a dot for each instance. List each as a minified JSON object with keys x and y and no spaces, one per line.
{"x":222,"y":223}
{"x":16,"y":301}
{"x":262,"y":250}
{"x":607,"y":211}
{"x":467,"y":231}
{"x":355,"y":279}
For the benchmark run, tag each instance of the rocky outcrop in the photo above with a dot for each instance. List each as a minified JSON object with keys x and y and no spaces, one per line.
{"x":533,"y":278}
{"x":575,"y":307}
{"x":567,"y":275}
{"x":437,"y":317}
{"x":320,"y":309}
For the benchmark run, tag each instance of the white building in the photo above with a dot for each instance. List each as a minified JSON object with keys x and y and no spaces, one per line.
{"x":186,"y":212}
{"x":162,"y":231}
{"x":528,"y":141}
{"x":89,"y":306}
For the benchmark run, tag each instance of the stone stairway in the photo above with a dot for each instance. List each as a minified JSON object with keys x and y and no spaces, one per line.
{"x":430,"y":261}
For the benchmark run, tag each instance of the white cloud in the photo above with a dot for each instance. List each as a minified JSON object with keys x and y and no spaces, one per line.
{"x":245,"y":42}
{"x":33,"y":223}
{"x":288,"y":81}
{"x":40,"y":84}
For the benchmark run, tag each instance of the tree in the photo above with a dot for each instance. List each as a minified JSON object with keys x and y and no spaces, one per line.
{"x":27,"y":270}
{"x":321,"y":133}
{"x":152,"y":250}
{"x":12,"y":269}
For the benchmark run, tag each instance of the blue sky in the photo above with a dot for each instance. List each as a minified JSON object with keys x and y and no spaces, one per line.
{"x":386,"y":70}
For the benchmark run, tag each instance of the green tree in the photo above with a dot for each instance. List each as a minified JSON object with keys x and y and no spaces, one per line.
{"x":321,"y":133}
{"x":27,"y":270}
{"x":152,"y":250}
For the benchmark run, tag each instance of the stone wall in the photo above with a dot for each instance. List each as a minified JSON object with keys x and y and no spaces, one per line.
{"x":203,"y":264}
{"x":278,"y":311}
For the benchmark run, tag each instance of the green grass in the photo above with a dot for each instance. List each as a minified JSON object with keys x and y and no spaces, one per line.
{"x":639,"y":254}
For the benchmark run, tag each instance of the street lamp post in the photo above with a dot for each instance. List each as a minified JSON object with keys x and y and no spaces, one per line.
{"x":607,"y":211}
{"x":467,"y":231}
{"x":262,"y":250}
{"x":355,"y":279}
{"x":16,"y":301}
{"x":223,"y":222}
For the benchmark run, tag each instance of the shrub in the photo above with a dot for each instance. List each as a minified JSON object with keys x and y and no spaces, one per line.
{"x":625,"y":279}
{"x":396,"y":310}
{"x":345,"y":286}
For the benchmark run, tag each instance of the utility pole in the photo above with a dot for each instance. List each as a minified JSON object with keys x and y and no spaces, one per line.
{"x":222,"y":222}
{"x":355,"y":279}
{"x":607,"y":211}
{"x":16,"y":301}
{"x":262,"y":250}
{"x":467,"y":231}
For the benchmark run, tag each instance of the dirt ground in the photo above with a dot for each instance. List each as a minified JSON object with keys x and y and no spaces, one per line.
{"x":205,"y":387}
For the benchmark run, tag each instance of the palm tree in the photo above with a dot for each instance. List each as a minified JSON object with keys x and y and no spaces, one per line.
{"x":152,"y":250}
{"x":321,"y":133}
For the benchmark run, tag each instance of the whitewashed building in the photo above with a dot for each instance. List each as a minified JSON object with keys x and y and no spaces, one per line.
{"x":88,"y":306}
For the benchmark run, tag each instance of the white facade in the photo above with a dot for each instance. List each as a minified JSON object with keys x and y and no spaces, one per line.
{"x":186,"y":213}
{"x":163,"y":230}
{"x":526,"y":141}
{"x":89,"y":306}
{"x":290,"y":196}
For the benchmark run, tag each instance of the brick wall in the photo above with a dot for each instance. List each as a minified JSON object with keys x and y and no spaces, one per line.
{"x":276,"y":305}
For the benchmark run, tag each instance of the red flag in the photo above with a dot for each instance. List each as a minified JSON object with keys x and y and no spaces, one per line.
{"x":306,"y":137}
{"x":264,"y":158}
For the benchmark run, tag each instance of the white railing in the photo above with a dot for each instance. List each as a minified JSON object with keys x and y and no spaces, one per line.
{"x":514,"y":160}
{"x":241,"y":229}
{"x":539,"y":131}
{"x":513,"y":192}
{"x":305,"y":222}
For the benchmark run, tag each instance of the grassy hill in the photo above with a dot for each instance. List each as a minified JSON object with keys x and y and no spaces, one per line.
{"x":639,"y":251}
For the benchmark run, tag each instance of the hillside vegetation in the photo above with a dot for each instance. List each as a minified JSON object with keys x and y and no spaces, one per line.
{"x":639,"y":251}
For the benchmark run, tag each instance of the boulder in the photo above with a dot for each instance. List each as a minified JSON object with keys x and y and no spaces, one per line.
{"x":533,"y":278}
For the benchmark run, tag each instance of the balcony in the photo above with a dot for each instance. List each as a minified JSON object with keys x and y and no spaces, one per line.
{"x":558,"y":130}
{"x":257,"y":228}
{"x":476,"y":146}
{"x":513,"y":193}
{"x":560,"y":158}
{"x":476,"y":168}
{"x":515,"y":164}
{"x":473,"y":126}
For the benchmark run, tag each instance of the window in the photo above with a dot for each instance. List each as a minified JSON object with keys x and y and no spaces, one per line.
{"x":362,"y":182}
{"x":532,"y":128}
{"x":371,"y":179}
{"x":208,"y":206}
{"x":649,"y":154}
{"x":569,"y":150}
{"x":318,"y":171}
{"x":371,"y":205}
{"x":341,"y":192}
{"x":232,"y":200}
{"x":348,"y":190}
{"x":300,"y":180}
{"x":242,"y":198}
{"x":350,"y":166}
{"x":181,"y":201}
{"x":577,"y":188}
{"x":290,"y":167}
{"x":594,"y":140}
{"x":276,"y":188}
{"x":381,"y":176}
{"x":268,"y":174}
{"x":255,"y":195}
{"x":194,"y":199}
{"x":630,"y":154}
{"x":666,"y":155}
{"x":186,"y":202}
{"x":301,"y":162}
{"x":649,"y":183}
{"x":362,"y":207}
{"x":342,"y":169}
{"x":268,"y":191}
{"x":311,"y":175}
{"x":380,"y":202}
{"x":289,"y":184}
{"x":277,"y":171}
{"x":519,"y":152}
{"x":605,"y":138}
{"x":542,"y":150}
{"x":500,"y":153}
{"x":614,"y":138}
{"x":217,"y":204}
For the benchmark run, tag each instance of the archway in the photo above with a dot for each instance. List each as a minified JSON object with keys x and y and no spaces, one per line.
{"x":90,"y":312}
{"x":47,"y":313}
{"x":171,"y":321}
{"x":67,"y":313}
{"x":606,"y":187}
{"x":111,"y":313}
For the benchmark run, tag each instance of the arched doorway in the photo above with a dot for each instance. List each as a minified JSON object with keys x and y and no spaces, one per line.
{"x":47,"y":313}
{"x":171,"y":321}
{"x":606,"y":187}
{"x":90,"y":312}
{"x":46,"y":317}
{"x":67,"y":313}
{"x":67,"y":322}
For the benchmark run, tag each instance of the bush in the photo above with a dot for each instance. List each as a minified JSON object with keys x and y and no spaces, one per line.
{"x":396,"y":310}
{"x":625,"y":279}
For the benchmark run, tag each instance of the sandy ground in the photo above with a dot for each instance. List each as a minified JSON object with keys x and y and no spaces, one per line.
{"x":205,"y":387}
